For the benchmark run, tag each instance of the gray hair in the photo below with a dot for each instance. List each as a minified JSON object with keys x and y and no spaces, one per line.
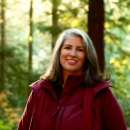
{"x":91,"y":66}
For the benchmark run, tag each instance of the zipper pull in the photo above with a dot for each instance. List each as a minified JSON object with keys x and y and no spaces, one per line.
{"x":56,"y":111}
{"x":62,"y":112}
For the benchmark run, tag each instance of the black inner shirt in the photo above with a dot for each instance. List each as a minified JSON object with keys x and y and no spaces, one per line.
{"x":58,"y":89}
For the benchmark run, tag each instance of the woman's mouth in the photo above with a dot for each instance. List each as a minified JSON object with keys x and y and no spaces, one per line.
{"x":70,"y":61}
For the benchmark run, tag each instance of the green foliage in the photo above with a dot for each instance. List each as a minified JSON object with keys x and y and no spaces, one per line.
{"x":15,"y":93}
{"x":68,"y":15}
{"x":9,"y":115}
{"x":117,"y":52}
{"x":7,"y":126}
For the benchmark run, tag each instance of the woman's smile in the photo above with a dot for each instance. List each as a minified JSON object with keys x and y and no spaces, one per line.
{"x":71,"y":61}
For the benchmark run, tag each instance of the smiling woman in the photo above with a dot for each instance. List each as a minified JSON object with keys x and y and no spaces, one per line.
{"x":72,"y":94}
{"x":74,"y":38}
{"x":72,"y":57}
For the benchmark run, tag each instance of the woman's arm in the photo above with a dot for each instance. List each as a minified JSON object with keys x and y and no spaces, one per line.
{"x":112,"y":115}
{"x":26,"y":117}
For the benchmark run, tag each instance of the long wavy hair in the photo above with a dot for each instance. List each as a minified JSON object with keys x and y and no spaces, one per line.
{"x":91,"y":66}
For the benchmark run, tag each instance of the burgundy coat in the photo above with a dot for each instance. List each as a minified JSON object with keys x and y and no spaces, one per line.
{"x":79,"y":108}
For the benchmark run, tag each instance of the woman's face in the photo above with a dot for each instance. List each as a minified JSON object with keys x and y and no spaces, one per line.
{"x":72,"y":55}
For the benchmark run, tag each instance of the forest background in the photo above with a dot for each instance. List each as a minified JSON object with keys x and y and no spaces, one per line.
{"x":28,"y":32}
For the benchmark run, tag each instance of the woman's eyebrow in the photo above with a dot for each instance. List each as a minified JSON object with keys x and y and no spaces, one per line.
{"x":71,"y":45}
{"x":66,"y":45}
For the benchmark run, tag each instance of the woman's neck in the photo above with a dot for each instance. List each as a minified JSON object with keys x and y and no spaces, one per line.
{"x":64,"y":79}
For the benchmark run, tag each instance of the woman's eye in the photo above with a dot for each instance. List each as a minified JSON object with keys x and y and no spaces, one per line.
{"x":67,"y":47}
{"x":81,"y":49}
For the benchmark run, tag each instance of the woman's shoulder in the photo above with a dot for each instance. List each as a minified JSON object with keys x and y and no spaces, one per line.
{"x":97,"y":88}
{"x":37,"y":84}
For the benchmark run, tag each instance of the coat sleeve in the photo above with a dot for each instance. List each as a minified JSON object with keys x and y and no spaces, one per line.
{"x":26,"y":117}
{"x":112,"y":115}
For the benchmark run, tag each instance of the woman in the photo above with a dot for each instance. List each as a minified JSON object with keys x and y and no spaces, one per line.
{"x":72,"y":94}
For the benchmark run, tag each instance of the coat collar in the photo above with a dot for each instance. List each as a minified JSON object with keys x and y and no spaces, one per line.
{"x":43,"y":84}
{"x":100,"y":86}
{"x":72,"y":81}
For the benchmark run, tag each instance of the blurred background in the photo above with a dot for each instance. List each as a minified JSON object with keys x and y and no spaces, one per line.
{"x":28,"y":31}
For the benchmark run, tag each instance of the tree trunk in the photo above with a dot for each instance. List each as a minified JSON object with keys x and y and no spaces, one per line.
{"x":30,"y":43}
{"x":30,"y":35}
{"x":55,"y":28}
{"x":2,"y":57}
{"x":96,"y":28}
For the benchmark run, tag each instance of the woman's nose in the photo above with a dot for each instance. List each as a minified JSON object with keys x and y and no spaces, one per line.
{"x":73,"y":53}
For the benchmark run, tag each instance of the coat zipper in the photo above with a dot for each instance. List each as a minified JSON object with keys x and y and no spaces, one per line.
{"x":56,"y":111}
{"x":54,"y":116}
{"x":60,"y":118}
